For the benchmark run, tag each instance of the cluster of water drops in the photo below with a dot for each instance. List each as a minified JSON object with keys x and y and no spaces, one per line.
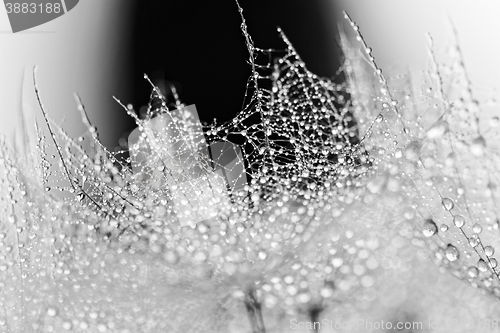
{"x":275,"y":208}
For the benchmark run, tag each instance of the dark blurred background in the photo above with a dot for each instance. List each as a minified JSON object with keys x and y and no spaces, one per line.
{"x":198,"y":46}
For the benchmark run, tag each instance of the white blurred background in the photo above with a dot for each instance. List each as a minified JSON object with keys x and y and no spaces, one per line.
{"x":396,"y":31}
{"x":83,"y":51}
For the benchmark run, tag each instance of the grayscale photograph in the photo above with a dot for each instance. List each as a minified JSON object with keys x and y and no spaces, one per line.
{"x":249,"y":166}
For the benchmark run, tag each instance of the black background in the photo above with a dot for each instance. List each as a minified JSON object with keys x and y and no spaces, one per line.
{"x":198,"y":46}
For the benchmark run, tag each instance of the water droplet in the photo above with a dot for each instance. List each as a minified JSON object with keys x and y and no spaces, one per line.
{"x":337,"y":262}
{"x":473,"y":271}
{"x":171,"y":257}
{"x":473,"y":241}
{"x":80,"y":196}
{"x":200,"y":256}
{"x":444,"y":227}
{"x":51,"y":311}
{"x":326,"y":292}
{"x":412,"y":151}
{"x":477,"y":228}
{"x":67,"y":325}
{"x":459,"y":221}
{"x":430,"y":228}
{"x":101,"y":328}
{"x":367,"y":281}
{"x":493,"y":263}
{"x":482,"y":266}
{"x":47,"y":188}
{"x":451,"y":253}
{"x":437,"y":130}
{"x":448,"y":204}
{"x":478,"y":146}
{"x":489,"y":251}
{"x":203,"y":227}
{"x":494,"y":121}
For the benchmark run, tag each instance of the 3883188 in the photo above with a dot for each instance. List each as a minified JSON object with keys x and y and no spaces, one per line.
{"x":33,"y":8}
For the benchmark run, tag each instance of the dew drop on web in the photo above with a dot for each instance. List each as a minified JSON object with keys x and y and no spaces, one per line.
{"x":473,"y":241}
{"x":459,"y":221}
{"x":448,"y":204}
{"x":489,"y":250}
{"x":477,"y":228}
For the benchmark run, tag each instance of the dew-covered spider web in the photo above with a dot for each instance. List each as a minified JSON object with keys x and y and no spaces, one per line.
{"x":310,"y":197}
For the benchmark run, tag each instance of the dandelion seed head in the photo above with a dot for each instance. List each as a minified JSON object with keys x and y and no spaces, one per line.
{"x":285,"y":200}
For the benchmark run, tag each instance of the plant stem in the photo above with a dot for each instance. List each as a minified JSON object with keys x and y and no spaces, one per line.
{"x":254,"y":312}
